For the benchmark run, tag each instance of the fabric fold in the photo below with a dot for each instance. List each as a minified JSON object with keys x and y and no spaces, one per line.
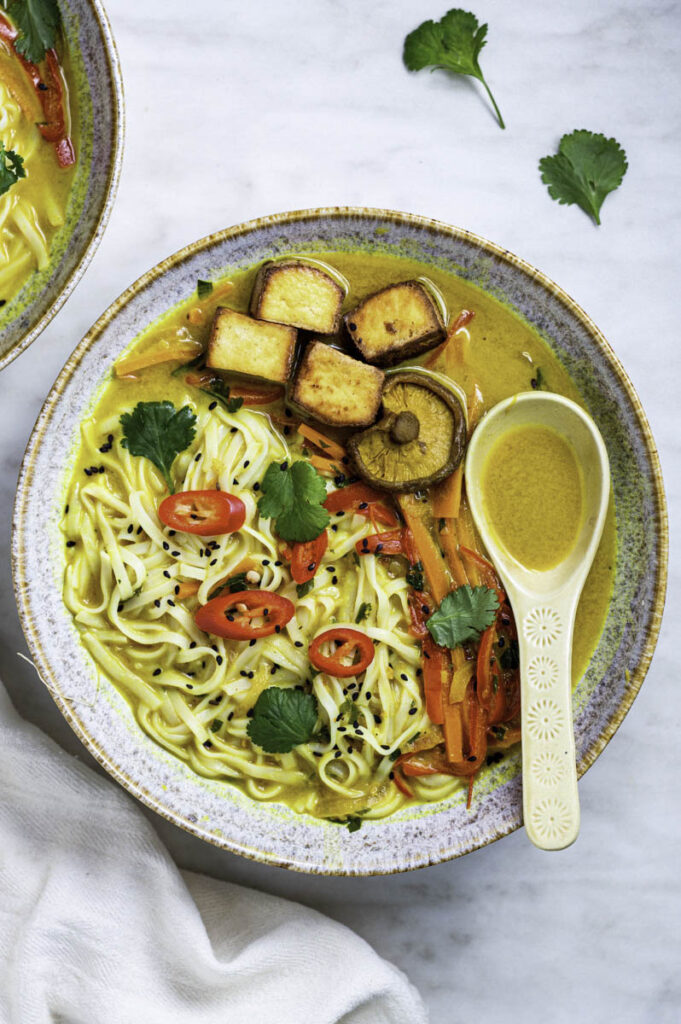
{"x":98,"y":926}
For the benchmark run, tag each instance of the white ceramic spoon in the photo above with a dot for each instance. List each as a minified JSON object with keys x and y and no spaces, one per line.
{"x":544,"y":604}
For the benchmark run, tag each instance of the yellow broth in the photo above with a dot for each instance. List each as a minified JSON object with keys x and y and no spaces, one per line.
{"x":533,"y":493}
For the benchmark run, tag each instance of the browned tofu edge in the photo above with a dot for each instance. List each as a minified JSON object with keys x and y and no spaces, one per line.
{"x":396,"y":353}
{"x":268,"y":269}
{"x":245,"y":374}
{"x":362,"y":421}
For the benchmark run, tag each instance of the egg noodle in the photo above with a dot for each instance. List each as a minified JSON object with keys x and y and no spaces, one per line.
{"x":23,"y":242}
{"x":193,"y":693}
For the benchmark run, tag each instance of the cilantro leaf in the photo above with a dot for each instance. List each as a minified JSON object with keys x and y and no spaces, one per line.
{"x":203,"y":288}
{"x":218,"y":389}
{"x":11,"y":168}
{"x":463,"y":615}
{"x":38,"y":22}
{"x":293,"y":495}
{"x":363,"y":611}
{"x":584,"y":170}
{"x":415,"y":576}
{"x":538,"y":382}
{"x":453,"y":44}
{"x":282,"y":719}
{"x":304,"y":588}
{"x":158,"y":431}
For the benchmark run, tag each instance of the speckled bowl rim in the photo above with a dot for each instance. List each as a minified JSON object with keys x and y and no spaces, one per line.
{"x":114,"y":172}
{"x":23,"y":584}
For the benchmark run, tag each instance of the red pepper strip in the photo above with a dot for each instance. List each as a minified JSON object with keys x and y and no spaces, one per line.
{"x":363,"y":500}
{"x":390,"y":543}
{"x":50,"y":91}
{"x":424,"y":762}
{"x":350,"y":640}
{"x":420,"y":605}
{"x":306,"y":557}
{"x":485,"y":688}
{"x":487,"y":571}
{"x":409,"y":546}
{"x":402,"y":785}
{"x":436,"y":672}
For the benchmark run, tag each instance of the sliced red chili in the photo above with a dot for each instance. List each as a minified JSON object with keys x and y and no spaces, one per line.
{"x":350,"y":643}
{"x":205,"y":513}
{"x":235,"y":615}
{"x":363,"y":500}
{"x":306,"y":557}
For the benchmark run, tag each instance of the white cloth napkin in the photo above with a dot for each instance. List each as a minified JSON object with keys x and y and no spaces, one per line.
{"x":97,"y":925}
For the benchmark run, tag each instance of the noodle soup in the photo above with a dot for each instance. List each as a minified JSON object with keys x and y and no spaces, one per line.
{"x":301,"y":671}
{"x":37,"y":156}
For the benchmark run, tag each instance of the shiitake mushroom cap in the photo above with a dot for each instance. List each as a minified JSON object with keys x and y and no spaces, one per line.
{"x":420,"y":439}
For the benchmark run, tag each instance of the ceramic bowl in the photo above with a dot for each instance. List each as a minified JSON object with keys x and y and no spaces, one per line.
{"x":96,"y":78}
{"x":215,"y":811}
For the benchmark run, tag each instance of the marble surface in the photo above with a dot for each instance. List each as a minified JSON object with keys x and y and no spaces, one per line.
{"x":253,"y":109}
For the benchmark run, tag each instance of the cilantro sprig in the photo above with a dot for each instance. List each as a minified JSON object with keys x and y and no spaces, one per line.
{"x":293,"y":496}
{"x":283,"y":719}
{"x":586,"y":168}
{"x":219,"y":390}
{"x":11,"y":168}
{"x":463,"y":616}
{"x":38,"y":23}
{"x":158,"y":431}
{"x":453,"y":44}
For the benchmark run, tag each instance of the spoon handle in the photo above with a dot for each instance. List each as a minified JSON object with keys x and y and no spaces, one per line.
{"x":550,"y":798}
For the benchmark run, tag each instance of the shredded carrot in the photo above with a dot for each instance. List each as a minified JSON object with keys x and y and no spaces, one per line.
{"x":418,"y":516}
{"x":450,"y":546}
{"x":453,"y":730}
{"x":486,"y":570}
{"x":186,"y":589}
{"x":401,"y":784}
{"x":325,"y":466}
{"x":446,"y":497}
{"x":461,"y":677}
{"x":451,"y":341}
{"x":326,"y":444}
{"x":435,"y":677}
{"x":167,"y":351}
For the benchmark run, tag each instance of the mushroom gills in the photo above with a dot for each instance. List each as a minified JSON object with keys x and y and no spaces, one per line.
{"x":420,"y":438}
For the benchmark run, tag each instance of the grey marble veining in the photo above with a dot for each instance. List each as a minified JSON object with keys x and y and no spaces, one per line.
{"x":252,"y":109}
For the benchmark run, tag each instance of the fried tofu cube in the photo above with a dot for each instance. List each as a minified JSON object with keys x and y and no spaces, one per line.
{"x":253,"y":348}
{"x":399,"y":321}
{"x":337,"y":389}
{"x":298,"y":294}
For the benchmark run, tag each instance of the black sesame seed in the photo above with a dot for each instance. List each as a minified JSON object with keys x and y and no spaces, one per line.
{"x":171,"y":602}
{"x":404,"y":677}
{"x":251,"y":643}
{"x":175,"y":554}
{"x":166,"y":545}
{"x":256,"y":486}
{"x":412,"y":711}
{"x":235,"y":482}
{"x":277,"y":629}
{"x":278,"y":563}
{"x":167,"y":575}
{"x":334,"y":528}
{"x":219,"y":659}
{"x":425,"y":609}
{"x":208,"y":744}
{"x":213,"y":561}
{"x":66,"y":509}
{"x":284,"y":467}
{"x":297,"y":643}
{"x":70,"y":543}
{"x":232,"y":430}
{"x":379,"y":547}
{"x":156,"y":672}
{"x":192,"y":645}
{"x":334,"y":579}
{"x":157,"y":603}
{"x":265,"y":561}
{"x":338,"y":753}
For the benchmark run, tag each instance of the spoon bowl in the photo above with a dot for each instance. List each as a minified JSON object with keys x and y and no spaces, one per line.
{"x":545,"y":604}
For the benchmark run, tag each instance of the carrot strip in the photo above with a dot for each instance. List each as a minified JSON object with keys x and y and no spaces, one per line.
{"x":450,"y":546}
{"x":446,"y":496}
{"x":325,"y":466}
{"x":483,"y":673}
{"x":418,"y":517}
{"x":327,"y":445}
{"x":167,"y":351}
{"x":186,"y":589}
{"x":435,"y":674}
{"x":451,"y":341}
{"x":453,"y":730}
{"x":402,"y":785}
{"x":487,"y":571}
